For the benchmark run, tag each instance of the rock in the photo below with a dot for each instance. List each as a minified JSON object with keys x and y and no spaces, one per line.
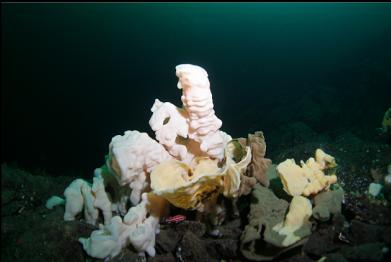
{"x":7,"y":196}
{"x":196,"y":227}
{"x":387,"y":235}
{"x":365,"y":233}
{"x":327,"y":203}
{"x":126,"y":255}
{"x":223,"y":248}
{"x":231,"y":230}
{"x":13,"y":208}
{"x":169,"y":257}
{"x":297,"y":258}
{"x":360,"y":208}
{"x":30,"y":232}
{"x":320,"y":242}
{"x":50,"y":241}
{"x":191,"y":248}
{"x":325,"y":238}
{"x":335,"y":257}
{"x":167,"y":240}
{"x":32,"y":190}
{"x":374,"y":189}
{"x":366,"y":252}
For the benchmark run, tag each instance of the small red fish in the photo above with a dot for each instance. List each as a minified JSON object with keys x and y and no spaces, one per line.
{"x":175,"y":219}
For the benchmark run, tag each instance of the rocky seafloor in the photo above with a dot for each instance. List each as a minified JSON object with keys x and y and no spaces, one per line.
{"x":362,"y":232}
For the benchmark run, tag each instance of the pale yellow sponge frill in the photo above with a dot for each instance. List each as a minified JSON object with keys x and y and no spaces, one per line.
{"x":190,"y":187}
{"x":187,"y":187}
{"x":300,"y":210}
{"x":310,"y":177}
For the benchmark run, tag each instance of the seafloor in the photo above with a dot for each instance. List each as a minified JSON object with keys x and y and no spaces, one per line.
{"x":30,"y":232}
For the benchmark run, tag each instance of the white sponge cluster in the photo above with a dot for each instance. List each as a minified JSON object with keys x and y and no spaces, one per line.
{"x":132,"y":157}
{"x":80,"y":195}
{"x":169,"y":123}
{"x":194,"y":129}
{"x":136,"y":229}
{"x":182,"y":134}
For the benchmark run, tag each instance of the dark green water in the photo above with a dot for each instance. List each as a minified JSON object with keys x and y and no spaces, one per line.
{"x":75,"y":75}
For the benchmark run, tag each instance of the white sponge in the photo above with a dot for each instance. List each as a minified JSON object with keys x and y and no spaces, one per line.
{"x":54,"y":201}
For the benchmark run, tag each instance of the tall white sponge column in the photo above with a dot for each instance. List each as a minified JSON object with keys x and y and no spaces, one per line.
{"x":197,"y":100}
